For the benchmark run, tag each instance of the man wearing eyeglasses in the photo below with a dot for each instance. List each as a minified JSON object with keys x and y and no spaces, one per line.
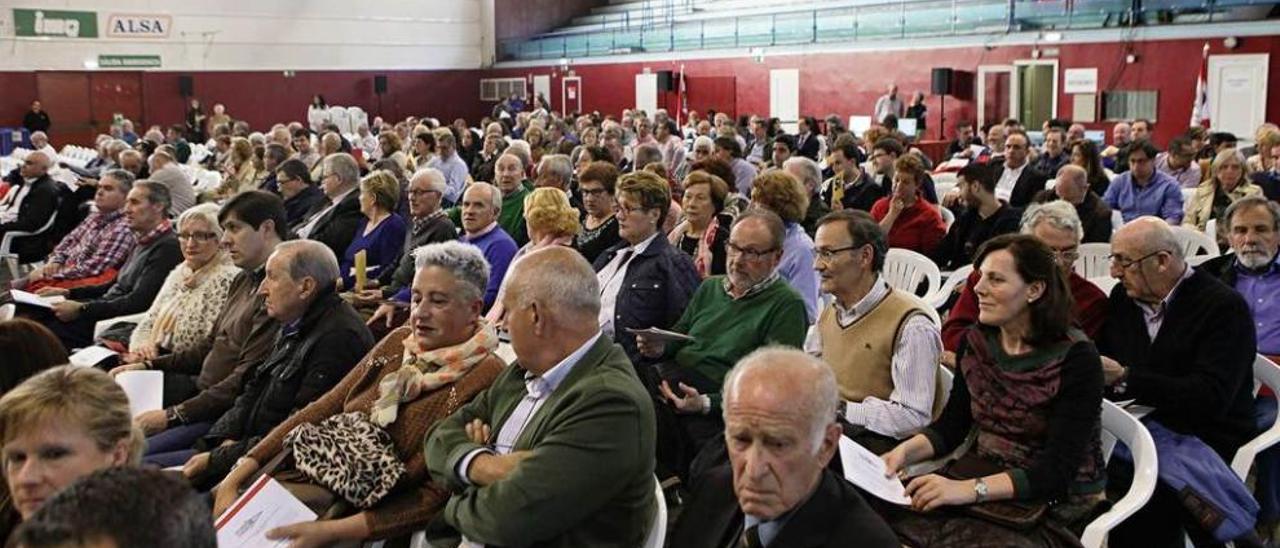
{"x":29,"y":204}
{"x":880,"y":341}
{"x":727,"y":318}
{"x":1182,"y":342}
{"x":1179,"y":162}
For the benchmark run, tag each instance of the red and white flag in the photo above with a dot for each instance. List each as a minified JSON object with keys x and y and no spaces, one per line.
{"x":1200,"y":109}
{"x":684,"y":96}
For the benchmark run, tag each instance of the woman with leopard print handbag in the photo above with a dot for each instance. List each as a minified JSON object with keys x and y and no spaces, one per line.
{"x":360,"y":445}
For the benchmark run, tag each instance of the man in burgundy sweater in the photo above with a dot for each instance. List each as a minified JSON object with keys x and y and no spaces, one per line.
{"x":1056,"y":224}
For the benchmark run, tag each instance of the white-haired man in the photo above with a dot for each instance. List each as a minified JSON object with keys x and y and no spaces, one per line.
{"x":779,"y":409}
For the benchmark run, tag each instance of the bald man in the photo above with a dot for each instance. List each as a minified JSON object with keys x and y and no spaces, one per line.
{"x":29,"y":205}
{"x":559,"y":451}
{"x":779,"y":413}
{"x":1178,"y":340}
{"x":1072,"y":186}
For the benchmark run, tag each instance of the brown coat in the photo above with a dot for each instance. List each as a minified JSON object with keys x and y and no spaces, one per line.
{"x":415,"y":500}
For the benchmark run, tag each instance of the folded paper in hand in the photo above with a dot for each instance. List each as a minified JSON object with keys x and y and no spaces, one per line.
{"x":91,"y":356}
{"x":265,"y":506}
{"x":25,"y":297}
{"x":866,"y":470}
{"x":144,"y":388}
{"x":660,"y":335}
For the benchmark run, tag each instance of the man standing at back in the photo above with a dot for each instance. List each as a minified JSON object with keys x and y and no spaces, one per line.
{"x":559,"y":450}
{"x":889,"y":104}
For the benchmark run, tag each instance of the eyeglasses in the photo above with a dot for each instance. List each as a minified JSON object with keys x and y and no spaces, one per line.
{"x":828,"y":255}
{"x":420,"y":192}
{"x":628,"y":210}
{"x":197,"y":236}
{"x":1126,"y":265}
{"x":1068,"y":255}
{"x":752,"y":254}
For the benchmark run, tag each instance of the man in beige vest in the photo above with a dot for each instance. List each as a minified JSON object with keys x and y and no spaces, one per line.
{"x":880,"y":341}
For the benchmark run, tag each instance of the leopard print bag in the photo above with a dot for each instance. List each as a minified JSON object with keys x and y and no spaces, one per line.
{"x":349,"y":455}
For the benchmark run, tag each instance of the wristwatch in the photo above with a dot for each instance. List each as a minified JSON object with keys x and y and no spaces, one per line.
{"x":173,"y":416}
{"x":979,"y":491}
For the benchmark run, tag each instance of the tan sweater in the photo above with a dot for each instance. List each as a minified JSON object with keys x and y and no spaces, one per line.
{"x":415,"y":499}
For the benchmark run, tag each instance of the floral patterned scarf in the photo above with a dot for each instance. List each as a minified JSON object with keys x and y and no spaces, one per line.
{"x":430,"y":369}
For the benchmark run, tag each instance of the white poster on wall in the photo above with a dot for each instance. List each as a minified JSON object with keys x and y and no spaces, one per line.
{"x":647,"y":92}
{"x":1080,"y":80}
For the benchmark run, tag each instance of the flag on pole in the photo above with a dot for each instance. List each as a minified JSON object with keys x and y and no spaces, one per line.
{"x":684,"y":95}
{"x":1200,"y":109}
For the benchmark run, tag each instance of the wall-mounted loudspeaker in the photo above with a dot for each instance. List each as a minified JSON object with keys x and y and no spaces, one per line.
{"x":186,"y":85}
{"x":380,"y":84}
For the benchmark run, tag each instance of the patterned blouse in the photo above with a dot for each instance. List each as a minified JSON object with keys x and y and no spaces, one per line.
{"x":186,"y":307}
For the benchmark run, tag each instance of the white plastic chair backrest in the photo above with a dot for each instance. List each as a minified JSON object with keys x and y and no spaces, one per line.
{"x":1211,"y":229}
{"x":1195,"y":242}
{"x":1093,"y":260}
{"x":1199,"y":260}
{"x":1117,"y":220}
{"x":1119,"y":425}
{"x":658,"y":531}
{"x":1048,"y":185}
{"x":1105,"y":283}
{"x":945,"y":178}
{"x":905,"y":269}
{"x":956,"y":279}
{"x":1267,"y":374}
{"x":947,"y":217}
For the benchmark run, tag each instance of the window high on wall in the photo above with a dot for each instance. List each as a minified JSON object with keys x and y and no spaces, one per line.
{"x":1129,"y":105}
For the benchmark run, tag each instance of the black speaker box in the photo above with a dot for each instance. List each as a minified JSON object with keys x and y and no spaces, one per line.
{"x":380,"y":84}
{"x":186,"y":85}
{"x":942,"y":78}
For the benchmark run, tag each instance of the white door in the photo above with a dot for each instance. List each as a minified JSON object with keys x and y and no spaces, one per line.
{"x":647,"y":92}
{"x":784,"y":98}
{"x":542,"y":87}
{"x":1238,"y":92}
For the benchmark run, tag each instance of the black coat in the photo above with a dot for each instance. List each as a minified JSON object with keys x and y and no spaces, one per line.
{"x":39,"y":205}
{"x":301,"y":204}
{"x":1094,"y":213}
{"x":1030,"y":183}
{"x":834,"y":516}
{"x":337,"y":227}
{"x":808,"y":146}
{"x":658,"y":285}
{"x":303,"y":365}
{"x":1198,"y":373}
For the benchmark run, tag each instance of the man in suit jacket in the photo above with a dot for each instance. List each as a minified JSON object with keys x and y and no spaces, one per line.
{"x":1180,"y":341}
{"x":779,"y":411}
{"x":333,"y":221}
{"x":559,"y":451}
{"x":1019,"y":181}
{"x":807,"y":144}
{"x":30,"y":202}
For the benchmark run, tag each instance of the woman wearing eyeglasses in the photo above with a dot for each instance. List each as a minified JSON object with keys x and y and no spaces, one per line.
{"x":189,"y":301}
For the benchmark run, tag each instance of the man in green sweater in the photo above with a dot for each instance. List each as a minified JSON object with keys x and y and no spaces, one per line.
{"x":728,"y":318}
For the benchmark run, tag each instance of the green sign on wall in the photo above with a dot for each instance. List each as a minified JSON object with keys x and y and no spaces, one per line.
{"x":55,"y":23}
{"x":131,"y":61}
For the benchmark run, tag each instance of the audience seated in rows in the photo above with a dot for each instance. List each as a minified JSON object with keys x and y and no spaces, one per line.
{"x":300,"y":194}
{"x":1179,"y":162}
{"x":810,"y":176}
{"x":776,"y":490}
{"x":551,"y":222}
{"x":1084,"y":154}
{"x":1035,"y":445}
{"x":28,"y":205}
{"x":559,"y":450}
{"x":881,"y":342}
{"x":333,"y":221}
{"x":1178,"y":340}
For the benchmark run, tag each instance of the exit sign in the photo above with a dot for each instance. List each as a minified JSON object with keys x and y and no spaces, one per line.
{"x":128,"y":61}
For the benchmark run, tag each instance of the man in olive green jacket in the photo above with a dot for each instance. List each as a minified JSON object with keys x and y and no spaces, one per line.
{"x":559,"y":451}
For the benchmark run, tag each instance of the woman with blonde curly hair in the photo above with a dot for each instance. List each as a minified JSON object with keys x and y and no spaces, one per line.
{"x":380,"y":235}
{"x":1227,"y":183}
{"x":781,"y":193}
{"x":550,"y":221}
{"x":57,"y":426}
{"x":239,"y":173}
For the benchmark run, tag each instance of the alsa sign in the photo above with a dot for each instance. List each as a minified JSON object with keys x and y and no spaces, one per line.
{"x":138,"y":26}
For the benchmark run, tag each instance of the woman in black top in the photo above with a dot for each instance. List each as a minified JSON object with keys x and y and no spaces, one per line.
{"x":599,"y":224}
{"x":918,"y":112}
{"x":1084,"y":153}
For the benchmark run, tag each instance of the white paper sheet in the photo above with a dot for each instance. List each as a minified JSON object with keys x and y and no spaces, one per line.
{"x":90,"y":356}
{"x":26,"y":297}
{"x":144,"y":388}
{"x":265,"y":506}
{"x":866,"y":470}
{"x":660,"y":335}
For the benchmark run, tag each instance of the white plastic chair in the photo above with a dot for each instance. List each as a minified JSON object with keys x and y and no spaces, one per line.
{"x":1211,"y":228}
{"x":947,"y":217}
{"x":1094,"y":260}
{"x":658,"y":531}
{"x":6,"y":245}
{"x":1105,"y":283}
{"x":939,"y":298}
{"x":506,"y":352}
{"x":1268,"y":374}
{"x":1194,"y":242}
{"x":905,"y":269}
{"x":1119,"y":425}
{"x":339,"y":117}
{"x":1117,"y":220}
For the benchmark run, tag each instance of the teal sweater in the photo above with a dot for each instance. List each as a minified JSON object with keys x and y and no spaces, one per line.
{"x":724,"y":330}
